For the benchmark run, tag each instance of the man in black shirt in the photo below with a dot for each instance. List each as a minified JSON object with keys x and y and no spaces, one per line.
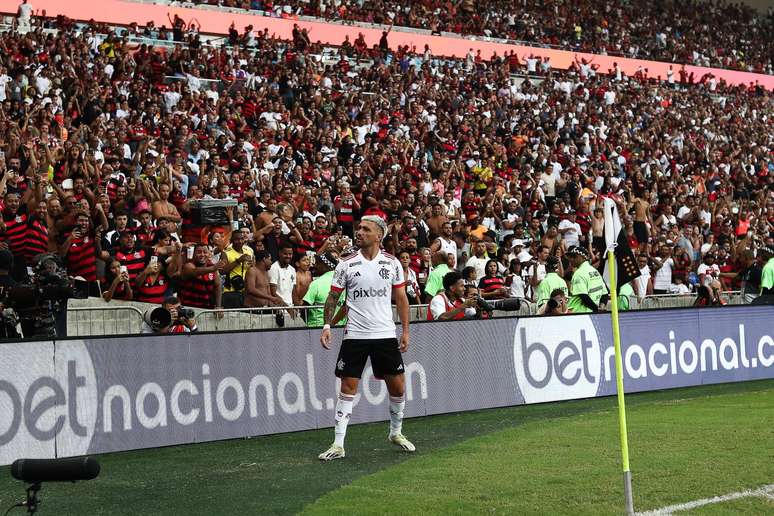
{"x":750,"y":274}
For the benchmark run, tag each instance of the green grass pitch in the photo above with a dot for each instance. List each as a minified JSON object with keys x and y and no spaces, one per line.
{"x":558,"y":458}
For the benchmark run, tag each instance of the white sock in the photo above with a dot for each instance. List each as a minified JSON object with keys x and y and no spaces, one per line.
{"x":397,"y":404}
{"x":343,"y":413}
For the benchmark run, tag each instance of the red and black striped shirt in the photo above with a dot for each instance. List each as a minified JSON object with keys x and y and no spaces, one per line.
{"x":144,"y":237}
{"x":15,"y":229}
{"x":133,"y":260}
{"x":151,"y":290}
{"x":199,"y":291}
{"x":490,"y":284}
{"x":82,"y":258}
{"x":345,"y":211}
{"x":319,"y":238}
{"x":36,"y":238}
{"x":303,"y":247}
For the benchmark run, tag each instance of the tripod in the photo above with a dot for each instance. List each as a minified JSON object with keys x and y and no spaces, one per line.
{"x":32,"y":498}
{"x":32,"y":502}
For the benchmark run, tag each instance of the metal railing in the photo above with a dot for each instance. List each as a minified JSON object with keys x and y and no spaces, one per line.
{"x":116,"y":319}
{"x":84,"y":321}
{"x":272,"y":317}
{"x":660,"y":301}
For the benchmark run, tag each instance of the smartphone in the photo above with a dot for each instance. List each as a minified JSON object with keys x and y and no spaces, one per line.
{"x":190,"y":253}
{"x":154,"y":260}
{"x":124,"y":269}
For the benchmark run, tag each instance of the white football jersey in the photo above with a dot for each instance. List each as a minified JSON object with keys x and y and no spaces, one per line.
{"x":369,"y":285}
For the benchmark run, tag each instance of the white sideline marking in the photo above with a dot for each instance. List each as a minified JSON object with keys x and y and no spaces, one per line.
{"x":766,"y":491}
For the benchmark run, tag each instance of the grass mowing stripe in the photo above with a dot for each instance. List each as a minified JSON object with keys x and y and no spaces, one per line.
{"x":280,"y":474}
{"x":682,"y":449}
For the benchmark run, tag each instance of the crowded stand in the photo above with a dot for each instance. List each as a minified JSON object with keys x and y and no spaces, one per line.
{"x":234,"y":176}
{"x":702,"y":33}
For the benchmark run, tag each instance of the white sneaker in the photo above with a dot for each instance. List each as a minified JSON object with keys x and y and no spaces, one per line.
{"x":333,"y":453}
{"x":405,"y":444}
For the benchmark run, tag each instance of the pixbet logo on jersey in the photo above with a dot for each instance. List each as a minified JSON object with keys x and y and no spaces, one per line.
{"x":557,"y":361}
{"x":369,"y":292}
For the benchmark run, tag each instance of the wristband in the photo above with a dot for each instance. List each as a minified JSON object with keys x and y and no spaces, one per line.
{"x":326,"y":326}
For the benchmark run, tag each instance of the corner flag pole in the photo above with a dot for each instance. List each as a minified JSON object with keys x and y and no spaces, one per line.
{"x":627,"y":474}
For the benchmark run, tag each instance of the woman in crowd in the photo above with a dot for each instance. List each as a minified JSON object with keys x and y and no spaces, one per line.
{"x":116,"y":284}
{"x":413,"y":290}
{"x":492,"y":285}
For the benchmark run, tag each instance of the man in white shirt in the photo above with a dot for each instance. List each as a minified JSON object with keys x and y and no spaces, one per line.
{"x":479,"y":259}
{"x":450,"y":304}
{"x":25,"y":13}
{"x":643,"y":284}
{"x":4,"y":80}
{"x":282,"y":275}
{"x":171,"y":98}
{"x":372,"y":279}
{"x":445,"y":242}
{"x":570,"y":230}
{"x":663,"y":265}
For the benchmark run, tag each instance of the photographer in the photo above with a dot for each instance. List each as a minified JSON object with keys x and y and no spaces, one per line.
{"x":8,"y":317}
{"x":171,"y":317}
{"x":42,"y":304}
{"x":551,"y":282}
{"x":556,"y":304}
{"x":449,"y":304}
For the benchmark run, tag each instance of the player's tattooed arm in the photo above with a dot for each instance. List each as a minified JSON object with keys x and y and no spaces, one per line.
{"x":330,"y":307}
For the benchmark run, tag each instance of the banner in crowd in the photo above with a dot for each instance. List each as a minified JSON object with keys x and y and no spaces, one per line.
{"x":73,"y":397}
{"x":217,"y":21}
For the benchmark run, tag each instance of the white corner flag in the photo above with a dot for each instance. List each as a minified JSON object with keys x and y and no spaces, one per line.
{"x":615,"y":240}
{"x":618,"y":268}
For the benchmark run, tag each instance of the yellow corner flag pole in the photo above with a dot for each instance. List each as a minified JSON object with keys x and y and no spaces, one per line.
{"x":619,"y":384}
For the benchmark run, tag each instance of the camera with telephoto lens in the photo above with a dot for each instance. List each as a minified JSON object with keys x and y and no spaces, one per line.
{"x":41,"y":302}
{"x":504,"y":305}
{"x":185,"y":313}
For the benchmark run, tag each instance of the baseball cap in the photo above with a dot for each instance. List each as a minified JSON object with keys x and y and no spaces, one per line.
{"x":578,"y":251}
{"x":328,"y":259}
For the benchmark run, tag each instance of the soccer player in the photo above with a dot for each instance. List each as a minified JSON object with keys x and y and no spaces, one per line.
{"x":587,"y":286}
{"x":371,"y":278}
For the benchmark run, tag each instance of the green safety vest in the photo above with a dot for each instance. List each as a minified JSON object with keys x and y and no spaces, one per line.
{"x":586,"y":280}
{"x":551,"y":282}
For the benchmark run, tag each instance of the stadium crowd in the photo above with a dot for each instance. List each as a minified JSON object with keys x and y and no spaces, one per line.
{"x":104,"y":159}
{"x":704,"y":33}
